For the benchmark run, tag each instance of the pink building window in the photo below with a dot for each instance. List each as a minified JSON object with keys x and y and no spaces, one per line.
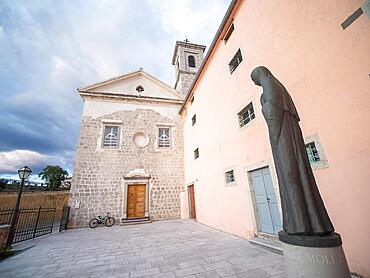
{"x":313,"y":154}
{"x":196,"y":153}
{"x":246,"y":115}
{"x":235,"y":61}
{"x":229,"y":176}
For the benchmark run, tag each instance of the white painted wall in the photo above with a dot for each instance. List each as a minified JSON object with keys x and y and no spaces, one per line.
{"x":98,"y":108}
{"x":128,"y":86}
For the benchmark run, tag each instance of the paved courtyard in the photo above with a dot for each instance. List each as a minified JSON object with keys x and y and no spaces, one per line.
{"x":176,"y":248}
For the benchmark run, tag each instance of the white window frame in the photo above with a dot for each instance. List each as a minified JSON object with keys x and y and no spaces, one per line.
{"x":102,"y":139}
{"x":241,"y":121}
{"x":165,"y":146}
{"x":323,"y":162}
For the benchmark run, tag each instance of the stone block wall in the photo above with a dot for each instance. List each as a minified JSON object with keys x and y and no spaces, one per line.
{"x":98,"y":173}
{"x":185,"y":81}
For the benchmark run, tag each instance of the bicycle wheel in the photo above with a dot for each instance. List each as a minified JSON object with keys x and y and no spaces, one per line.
{"x":109,"y":222}
{"x":93,"y":223}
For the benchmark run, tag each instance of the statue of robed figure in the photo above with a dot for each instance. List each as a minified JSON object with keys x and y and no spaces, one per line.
{"x":303,"y":210}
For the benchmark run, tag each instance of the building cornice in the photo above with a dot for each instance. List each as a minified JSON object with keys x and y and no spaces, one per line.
{"x":188,"y":72}
{"x":140,"y":72}
{"x":118,"y":96}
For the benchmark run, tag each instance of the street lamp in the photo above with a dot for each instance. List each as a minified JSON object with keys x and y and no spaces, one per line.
{"x":23,"y":173}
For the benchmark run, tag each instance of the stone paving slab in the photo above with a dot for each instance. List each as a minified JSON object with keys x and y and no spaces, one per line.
{"x":167,"y":249}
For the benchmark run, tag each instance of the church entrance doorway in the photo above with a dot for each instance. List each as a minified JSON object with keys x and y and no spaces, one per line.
{"x":136,"y":200}
{"x":269,"y":219}
{"x":192,"y":212}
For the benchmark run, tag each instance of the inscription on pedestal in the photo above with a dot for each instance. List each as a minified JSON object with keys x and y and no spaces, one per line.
{"x":315,"y":259}
{"x":312,"y":262}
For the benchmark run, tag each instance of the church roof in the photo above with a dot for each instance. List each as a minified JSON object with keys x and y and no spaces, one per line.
{"x":111,"y":86}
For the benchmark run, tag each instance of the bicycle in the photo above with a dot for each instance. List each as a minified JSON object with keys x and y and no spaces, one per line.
{"x":106,"y":219}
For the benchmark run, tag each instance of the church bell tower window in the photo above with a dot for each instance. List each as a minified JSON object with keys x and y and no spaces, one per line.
{"x":191,"y":61}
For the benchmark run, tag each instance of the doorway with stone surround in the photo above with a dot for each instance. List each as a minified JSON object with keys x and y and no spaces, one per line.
{"x":135,"y":195}
{"x":136,"y":200}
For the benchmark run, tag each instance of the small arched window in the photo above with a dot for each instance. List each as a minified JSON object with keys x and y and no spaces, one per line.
{"x":191,"y":61}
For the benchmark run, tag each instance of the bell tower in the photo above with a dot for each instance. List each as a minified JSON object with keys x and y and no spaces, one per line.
{"x":187,"y":59}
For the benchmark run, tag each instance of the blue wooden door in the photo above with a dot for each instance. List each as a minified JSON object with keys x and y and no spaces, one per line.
{"x":267,"y":206}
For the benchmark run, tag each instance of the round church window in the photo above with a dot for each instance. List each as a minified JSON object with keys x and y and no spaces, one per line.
{"x":140,"y":139}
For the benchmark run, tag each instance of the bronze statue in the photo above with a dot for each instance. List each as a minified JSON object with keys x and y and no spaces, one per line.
{"x":303,"y":210}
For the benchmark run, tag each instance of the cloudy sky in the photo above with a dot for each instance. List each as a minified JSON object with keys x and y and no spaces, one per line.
{"x":50,"y":48}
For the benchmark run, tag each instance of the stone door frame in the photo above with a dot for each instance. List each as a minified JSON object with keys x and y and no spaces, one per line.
{"x":135,"y":177}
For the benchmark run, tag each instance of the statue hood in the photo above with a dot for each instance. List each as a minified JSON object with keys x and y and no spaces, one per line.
{"x":261,"y":76}
{"x":260,"y":73}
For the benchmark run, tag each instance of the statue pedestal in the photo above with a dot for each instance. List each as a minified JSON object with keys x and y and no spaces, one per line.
{"x":324,"y":258}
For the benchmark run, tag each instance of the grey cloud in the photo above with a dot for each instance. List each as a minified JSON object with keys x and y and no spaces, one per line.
{"x":49,"y":48}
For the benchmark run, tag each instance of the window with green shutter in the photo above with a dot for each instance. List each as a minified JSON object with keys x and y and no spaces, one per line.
{"x":313,"y":154}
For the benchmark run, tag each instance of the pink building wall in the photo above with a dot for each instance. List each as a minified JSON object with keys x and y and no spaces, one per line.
{"x":326,"y":70}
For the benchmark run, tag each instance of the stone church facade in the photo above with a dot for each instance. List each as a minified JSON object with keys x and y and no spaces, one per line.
{"x":129,"y":158}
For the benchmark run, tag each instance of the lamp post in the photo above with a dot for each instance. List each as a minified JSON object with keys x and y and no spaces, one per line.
{"x":23,"y":173}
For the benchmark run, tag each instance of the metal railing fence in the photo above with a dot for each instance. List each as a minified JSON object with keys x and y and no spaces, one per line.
{"x":6,"y":216}
{"x":31,"y":222}
{"x":64,"y":220}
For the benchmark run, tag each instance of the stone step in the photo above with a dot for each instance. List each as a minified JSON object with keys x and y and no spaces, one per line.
{"x":134,"y":221}
{"x":268,"y":244}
